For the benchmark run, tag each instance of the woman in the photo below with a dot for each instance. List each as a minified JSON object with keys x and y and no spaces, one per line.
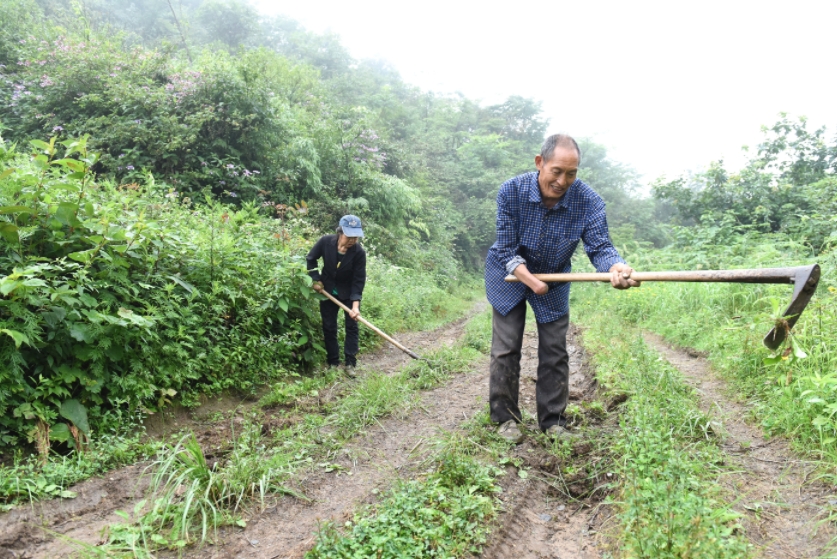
{"x":343,"y":276}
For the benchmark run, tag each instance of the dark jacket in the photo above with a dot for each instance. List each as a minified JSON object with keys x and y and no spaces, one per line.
{"x":349,"y":279}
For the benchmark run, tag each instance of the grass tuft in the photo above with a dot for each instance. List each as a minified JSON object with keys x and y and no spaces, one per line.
{"x":445,"y":514}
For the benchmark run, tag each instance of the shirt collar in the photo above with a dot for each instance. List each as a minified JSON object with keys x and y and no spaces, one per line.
{"x":535,"y":192}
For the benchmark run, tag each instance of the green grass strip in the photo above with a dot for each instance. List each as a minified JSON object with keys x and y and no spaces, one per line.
{"x":446,"y":514}
{"x":666,"y":454}
{"x":28,"y":480}
{"x":795,"y":397}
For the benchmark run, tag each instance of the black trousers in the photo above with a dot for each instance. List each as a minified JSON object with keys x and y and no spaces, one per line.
{"x":552,"y":387}
{"x":328,"y":312}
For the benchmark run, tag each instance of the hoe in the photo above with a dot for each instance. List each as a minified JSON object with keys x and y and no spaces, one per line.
{"x":803,"y":278}
{"x":374,"y":329}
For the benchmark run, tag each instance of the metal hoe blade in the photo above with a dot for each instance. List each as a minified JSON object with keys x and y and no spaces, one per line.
{"x":805,"y":283}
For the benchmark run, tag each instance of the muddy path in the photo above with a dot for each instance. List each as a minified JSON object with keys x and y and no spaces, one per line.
{"x":30,"y":531}
{"x":367,"y":467}
{"x":782,"y":507}
{"x":396,"y":448}
{"x":556,"y":510}
{"x":23,"y":530}
{"x":551,"y":506}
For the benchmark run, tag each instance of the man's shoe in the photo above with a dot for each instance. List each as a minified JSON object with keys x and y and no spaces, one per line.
{"x":510,"y":431}
{"x":556,"y":432}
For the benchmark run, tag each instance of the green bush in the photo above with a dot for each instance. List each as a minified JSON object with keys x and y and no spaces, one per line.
{"x":130,"y":295}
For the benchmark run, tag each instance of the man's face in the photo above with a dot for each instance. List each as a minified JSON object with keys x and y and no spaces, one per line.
{"x":558,"y":174}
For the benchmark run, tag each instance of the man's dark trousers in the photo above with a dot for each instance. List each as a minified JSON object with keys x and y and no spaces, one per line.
{"x":553,"y":368}
{"x":328,"y":313}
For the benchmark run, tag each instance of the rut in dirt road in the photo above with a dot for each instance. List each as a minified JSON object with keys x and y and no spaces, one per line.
{"x":782,"y":508}
{"x":549,"y":514}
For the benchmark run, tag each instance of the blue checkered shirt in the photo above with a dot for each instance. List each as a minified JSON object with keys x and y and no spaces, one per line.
{"x":544,"y":239}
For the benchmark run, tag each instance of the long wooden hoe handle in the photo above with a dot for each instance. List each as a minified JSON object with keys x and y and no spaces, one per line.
{"x":759,"y":275}
{"x":371,"y":326}
{"x":803,"y":278}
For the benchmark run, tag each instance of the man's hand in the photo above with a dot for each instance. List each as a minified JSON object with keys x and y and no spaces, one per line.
{"x":525,"y":276}
{"x":355,"y":314}
{"x":317,"y":286}
{"x":620,"y":275}
{"x":539,"y":287}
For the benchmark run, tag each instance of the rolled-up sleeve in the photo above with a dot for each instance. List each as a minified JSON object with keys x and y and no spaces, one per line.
{"x":596,"y":238}
{"x":512,"y":264}
{"x":508,"y":242}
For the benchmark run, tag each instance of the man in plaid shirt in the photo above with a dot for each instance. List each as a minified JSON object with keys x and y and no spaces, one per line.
{"x":541,"y":216}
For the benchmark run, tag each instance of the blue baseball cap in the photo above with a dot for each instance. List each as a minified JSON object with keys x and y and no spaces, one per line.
{"x":351,"y":226}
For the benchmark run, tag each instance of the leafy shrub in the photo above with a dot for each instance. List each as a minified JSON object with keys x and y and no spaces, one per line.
{"x":128,"y":295}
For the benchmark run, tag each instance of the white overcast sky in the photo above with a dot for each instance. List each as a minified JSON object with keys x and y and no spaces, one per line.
{"x":666,"y":86}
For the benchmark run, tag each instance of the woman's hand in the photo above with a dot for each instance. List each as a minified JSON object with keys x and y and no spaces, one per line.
{"x":355,"y":314}
{"x":317,"y":286}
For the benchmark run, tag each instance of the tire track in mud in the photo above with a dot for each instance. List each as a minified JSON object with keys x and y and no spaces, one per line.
{"x":22,"y":533}
{"x":782,"y":509}
{"x":556,"y":531}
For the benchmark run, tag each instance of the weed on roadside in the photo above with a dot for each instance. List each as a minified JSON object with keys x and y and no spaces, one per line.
{"x":375,"y":396}
{"x":447,"y":513}
{"x":29,"y":480}
{"x":478,"y":332}
{"x":438,"y":366}
{"x":192,"y":495}
{"x":289,"y":391}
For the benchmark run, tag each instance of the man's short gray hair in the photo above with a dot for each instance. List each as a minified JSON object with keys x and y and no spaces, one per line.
{"x":563,"y":140}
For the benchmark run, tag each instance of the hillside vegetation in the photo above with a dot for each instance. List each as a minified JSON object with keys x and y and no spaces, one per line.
{"x":165,"y":167}
{"x":159,"y":189}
